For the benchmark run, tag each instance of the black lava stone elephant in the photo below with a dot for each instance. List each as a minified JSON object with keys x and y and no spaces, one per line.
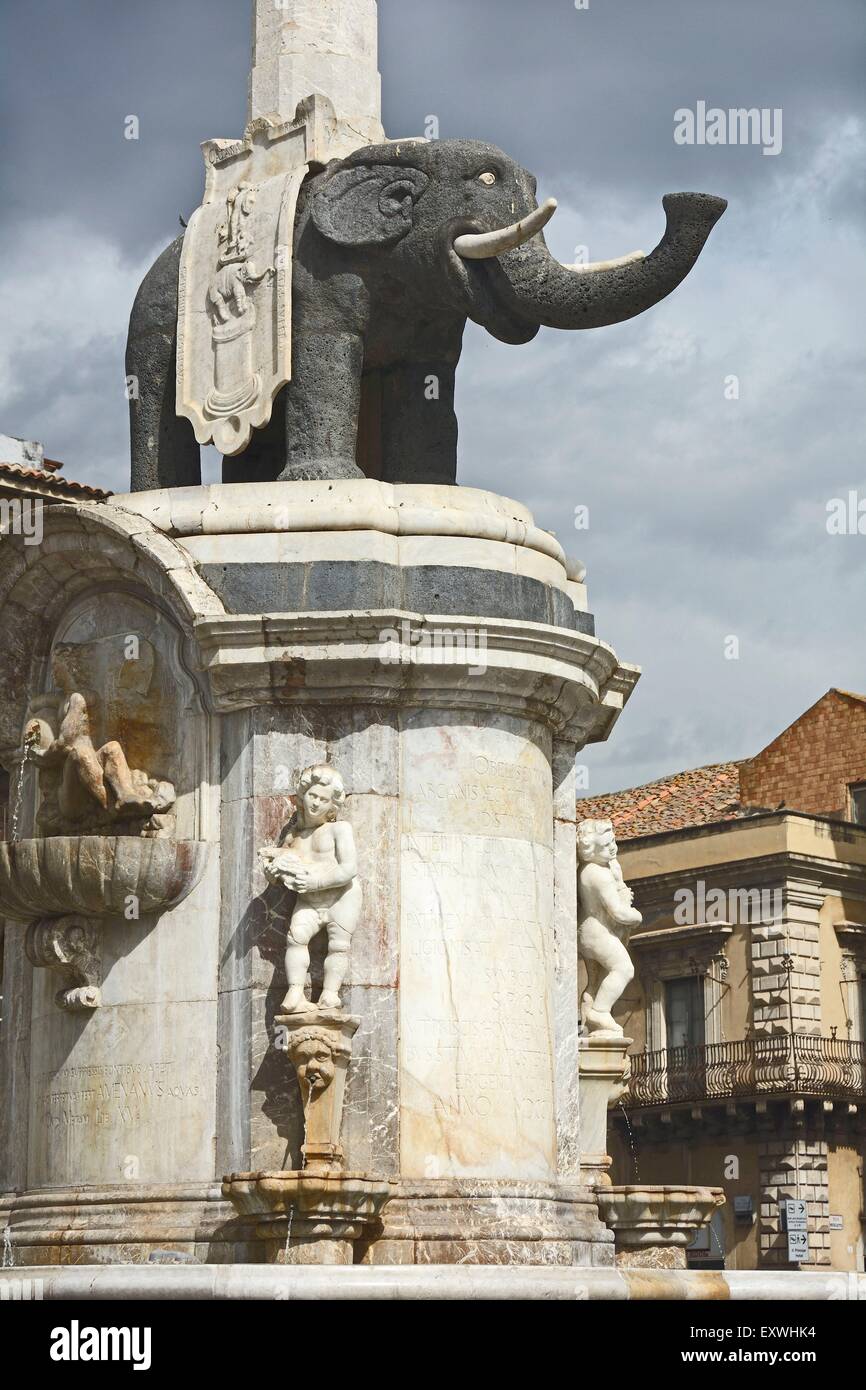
{"x":395,"y":248}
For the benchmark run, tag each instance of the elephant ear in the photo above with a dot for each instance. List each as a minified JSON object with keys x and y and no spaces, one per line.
{"x":368,"y":205}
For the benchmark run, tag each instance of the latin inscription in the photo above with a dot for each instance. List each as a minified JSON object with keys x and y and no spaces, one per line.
{"x":115,"y":1095}
{"x":482,"y":796}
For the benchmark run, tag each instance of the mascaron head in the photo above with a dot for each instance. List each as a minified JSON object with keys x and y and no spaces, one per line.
{"x":313,"y":1057}
{"x":596,"y":842}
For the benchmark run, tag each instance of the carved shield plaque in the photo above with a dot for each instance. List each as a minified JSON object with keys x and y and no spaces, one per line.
{"x":234,"y":344}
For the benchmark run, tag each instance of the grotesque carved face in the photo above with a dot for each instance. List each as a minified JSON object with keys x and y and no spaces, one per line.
{"x":314,"y":1065}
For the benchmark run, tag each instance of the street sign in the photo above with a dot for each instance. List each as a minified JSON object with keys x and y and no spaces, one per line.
{"x":798,"y":1247}
{"x":837,"y":1223}
{"x":796,"y":1216}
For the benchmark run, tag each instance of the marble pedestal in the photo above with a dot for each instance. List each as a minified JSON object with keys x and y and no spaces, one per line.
{"x":604,"y":1072}
{"x":435,"y":646}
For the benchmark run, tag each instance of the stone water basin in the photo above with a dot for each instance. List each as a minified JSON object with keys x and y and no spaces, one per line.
{"x":347,"y":1196}
{"x":653,"y":1226}
{"x":95,"y":875}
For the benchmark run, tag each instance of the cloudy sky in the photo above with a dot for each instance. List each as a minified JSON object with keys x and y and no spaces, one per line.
{"x":707,"y":515}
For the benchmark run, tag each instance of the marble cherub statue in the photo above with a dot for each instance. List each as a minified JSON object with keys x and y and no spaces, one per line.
{"x":84,"y":787}
{"x":317,"y":860}
{"x":606,"y":917}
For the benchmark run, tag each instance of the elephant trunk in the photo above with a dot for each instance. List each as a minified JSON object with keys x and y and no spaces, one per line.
{"x":537,"y":287}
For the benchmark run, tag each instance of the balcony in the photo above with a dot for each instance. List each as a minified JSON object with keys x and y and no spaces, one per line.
{"x":828,"y":1069}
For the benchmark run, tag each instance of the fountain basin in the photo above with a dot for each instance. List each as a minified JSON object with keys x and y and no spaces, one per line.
{"x":309,"y":1218}
{"x":353,"y":1197}
{"x":95,"y":876}
{"x":653,"y":1226}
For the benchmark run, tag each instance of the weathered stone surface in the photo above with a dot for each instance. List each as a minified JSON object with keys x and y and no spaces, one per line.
{"x":371,"y":1115}
{"x":477,"y":899}
{"x":564,"y":1001}
{"x":326,"y":46}
{"x":439,"y":1283}
{"x":479,"y":1222}
{"x":130,"y":1099}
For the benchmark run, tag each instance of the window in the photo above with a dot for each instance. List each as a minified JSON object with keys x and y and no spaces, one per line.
{"x":684,"y":1012}
{"x":857,"y":803}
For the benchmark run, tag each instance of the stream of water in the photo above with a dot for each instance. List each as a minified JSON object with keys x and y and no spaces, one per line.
{"x":631,"y":1142}
{"x":17,"y":799}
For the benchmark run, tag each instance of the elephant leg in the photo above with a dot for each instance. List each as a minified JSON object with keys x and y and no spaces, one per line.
{"x":419,"y":425}
{"x":323,"y":402}
{"x":165,"y":452}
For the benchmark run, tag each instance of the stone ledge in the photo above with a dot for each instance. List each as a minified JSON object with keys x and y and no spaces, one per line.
{"x":570,"y":681}
{"x":385,"y":1283}
{"x":396,"y":509}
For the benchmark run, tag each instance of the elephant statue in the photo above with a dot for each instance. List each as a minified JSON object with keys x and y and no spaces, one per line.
{"x":395,"y":247}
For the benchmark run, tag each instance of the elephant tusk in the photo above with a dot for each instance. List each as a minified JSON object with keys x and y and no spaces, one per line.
{"x":482,"y":246}
{"x":591,"y":267}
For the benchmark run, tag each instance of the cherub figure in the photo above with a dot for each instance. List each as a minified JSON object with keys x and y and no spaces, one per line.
{"x":605,"y":922}
{"x":317,"y":860}
{"x":90,"y":779}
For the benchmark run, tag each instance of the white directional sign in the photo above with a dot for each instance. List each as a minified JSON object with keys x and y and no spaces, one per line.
{"x":798,"y":1247}
{"x":796,"y":1217}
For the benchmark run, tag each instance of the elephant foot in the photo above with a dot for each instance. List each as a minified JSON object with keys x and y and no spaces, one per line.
{"x":319,"y":470}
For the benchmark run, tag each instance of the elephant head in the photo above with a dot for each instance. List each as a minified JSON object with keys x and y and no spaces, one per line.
{"x":461,"y":221}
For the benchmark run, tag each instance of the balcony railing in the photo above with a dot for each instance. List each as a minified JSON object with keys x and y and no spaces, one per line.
{"x":829,"y":1068}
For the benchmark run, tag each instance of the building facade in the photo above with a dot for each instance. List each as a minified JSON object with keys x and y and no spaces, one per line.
{"x":748,"y":1007}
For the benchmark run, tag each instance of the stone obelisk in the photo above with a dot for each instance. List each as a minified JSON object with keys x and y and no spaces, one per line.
{"x":314,"y":96}
{"x":329,"y":48}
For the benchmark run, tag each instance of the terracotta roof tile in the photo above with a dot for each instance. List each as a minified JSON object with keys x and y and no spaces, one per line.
{"x":699,"y":797}
{"x":48,"y":479}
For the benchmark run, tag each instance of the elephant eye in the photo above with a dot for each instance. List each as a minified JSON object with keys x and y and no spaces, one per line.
{"x":488,"y":179}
